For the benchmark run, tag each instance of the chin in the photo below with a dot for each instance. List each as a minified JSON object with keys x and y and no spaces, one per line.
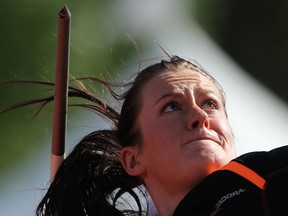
{"x":211,"y":164}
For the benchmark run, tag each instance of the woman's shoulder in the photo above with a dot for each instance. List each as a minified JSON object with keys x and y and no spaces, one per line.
{"x":238,"y":187}
{"x":265,"y":162}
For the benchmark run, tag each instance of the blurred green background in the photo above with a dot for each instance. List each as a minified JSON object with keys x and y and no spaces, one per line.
{"x":28,"y":52}
{"x":253,"y":33}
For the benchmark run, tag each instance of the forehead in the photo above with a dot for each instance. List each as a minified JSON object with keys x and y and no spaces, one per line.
{"x":179,"y":81}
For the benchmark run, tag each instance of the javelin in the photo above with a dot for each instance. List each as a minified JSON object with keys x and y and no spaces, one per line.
{"x":61,"y":91}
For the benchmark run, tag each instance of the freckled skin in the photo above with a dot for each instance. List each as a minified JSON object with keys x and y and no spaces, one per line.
{"x":185,"y":134}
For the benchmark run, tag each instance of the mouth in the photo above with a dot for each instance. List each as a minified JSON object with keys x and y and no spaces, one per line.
{"x":202,"y":139}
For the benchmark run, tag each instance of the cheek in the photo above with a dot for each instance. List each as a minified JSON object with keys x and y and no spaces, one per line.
{"x":225,"y":128}
{"x":158,"y":141}
{"x":225,"y":131}
{"x":228,"y":131}
{"x":162,"y":129}
{"x":222,"y":126}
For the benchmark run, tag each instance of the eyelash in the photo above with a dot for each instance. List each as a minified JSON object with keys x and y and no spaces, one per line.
{"x":211,"y":103}
{"x":179,"y":107}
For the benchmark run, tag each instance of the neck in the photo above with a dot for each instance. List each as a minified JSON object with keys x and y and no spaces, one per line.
{"x":166,"y":203}
{"x":167,"y":194}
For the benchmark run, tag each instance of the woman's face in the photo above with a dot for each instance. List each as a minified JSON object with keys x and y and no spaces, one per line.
{"x":184,"y":128}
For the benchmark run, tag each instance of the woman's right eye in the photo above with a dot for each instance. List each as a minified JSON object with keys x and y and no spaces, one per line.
{"x":172,"y":107}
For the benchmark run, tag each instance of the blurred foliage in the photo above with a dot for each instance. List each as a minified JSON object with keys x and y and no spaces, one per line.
{"x":253,"y":33}
{"x":28,"y":52}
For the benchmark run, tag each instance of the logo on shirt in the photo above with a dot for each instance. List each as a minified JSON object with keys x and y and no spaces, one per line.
{"x":228,"y":196}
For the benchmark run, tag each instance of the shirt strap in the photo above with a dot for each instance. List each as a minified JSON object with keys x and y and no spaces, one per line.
{"x":246,"y":173}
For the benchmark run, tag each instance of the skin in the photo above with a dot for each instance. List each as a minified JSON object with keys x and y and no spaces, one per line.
{"x":185,"y":136}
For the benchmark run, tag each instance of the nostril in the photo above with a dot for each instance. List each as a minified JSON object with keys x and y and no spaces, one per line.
{"x":206,"y":124}
{"x":195,"y":124}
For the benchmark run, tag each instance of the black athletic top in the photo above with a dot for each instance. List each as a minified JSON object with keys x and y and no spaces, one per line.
{"x":253,"y":184}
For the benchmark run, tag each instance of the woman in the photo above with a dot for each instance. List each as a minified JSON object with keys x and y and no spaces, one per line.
{"x":172,"y":132}
{"x":177,"y":132}
{"x":172,"y":136}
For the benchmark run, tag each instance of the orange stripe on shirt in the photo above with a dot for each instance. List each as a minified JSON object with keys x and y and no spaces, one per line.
{"x":245,"y":172}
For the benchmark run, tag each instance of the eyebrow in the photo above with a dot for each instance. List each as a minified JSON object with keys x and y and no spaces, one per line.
{"x":167,"y":95}
{"x":179,"y":93}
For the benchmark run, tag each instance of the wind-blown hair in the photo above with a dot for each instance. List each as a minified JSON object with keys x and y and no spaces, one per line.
{"x":92,"y":180}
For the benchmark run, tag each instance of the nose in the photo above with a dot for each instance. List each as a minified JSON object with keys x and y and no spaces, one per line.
{"x":198,"y":118}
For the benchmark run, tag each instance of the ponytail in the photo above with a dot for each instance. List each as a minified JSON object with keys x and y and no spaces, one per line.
{"x":91,"y":180}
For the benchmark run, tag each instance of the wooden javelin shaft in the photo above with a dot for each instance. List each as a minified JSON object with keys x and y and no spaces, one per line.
{"x":61,"y":91}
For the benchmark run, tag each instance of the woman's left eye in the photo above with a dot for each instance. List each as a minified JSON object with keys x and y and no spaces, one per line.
{"x":210,"y":104}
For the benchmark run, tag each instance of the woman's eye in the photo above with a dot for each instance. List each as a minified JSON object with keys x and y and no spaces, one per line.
{"x":210,"y":104}
{"x":172,"y":107}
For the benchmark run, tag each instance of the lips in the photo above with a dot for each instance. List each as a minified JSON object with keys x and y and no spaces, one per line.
{"x":202,"y":136}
